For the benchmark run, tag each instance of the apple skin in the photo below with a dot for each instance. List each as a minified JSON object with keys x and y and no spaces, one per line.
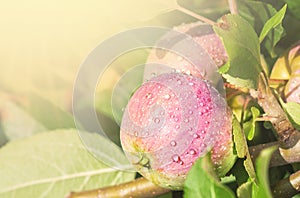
{"x":212,"y":53}
{"x":171,"y":121}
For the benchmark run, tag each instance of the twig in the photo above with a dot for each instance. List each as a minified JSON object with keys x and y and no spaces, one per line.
{"x":287,"y":187}
{"x":139,"y":188}
{"x":288,"y":136}
{"x":280,"y":157}
{"x":197,"y":16}
{"x":233,"y":6}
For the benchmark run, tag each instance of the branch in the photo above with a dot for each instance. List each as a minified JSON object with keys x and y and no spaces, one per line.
{"x":288,"y":136}
{"x":197,"y":16}
{"x":287,"y":187}
{"x":139,"y":188}
{"x":280,"y":157}
{"x":233,"y":7}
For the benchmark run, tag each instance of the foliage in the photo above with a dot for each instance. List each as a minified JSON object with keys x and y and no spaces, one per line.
{"x":41,"y":154}
{"x":51,"y":164}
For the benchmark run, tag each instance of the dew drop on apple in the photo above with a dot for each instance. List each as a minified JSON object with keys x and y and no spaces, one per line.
{"x":173,"y":143}
{"x":176,"y":158}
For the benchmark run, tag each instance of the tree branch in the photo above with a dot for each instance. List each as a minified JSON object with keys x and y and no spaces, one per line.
{"x":233,"y":6}
{"x":280,"y":157}
{"x":287,"y":187}
{"x":139,"y":188}
{"x":288,"y":136}
{"x":197,"y":16}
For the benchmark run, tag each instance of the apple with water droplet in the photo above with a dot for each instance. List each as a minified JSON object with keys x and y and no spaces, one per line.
{"x":171,"y":121}
{"x":211,"y":52}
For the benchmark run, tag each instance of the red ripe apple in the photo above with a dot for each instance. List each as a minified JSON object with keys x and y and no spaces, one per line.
{"x":171,"y":121}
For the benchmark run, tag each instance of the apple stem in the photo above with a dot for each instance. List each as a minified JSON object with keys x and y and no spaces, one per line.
{"x":197,"y":16}
{"x":233,"y":6}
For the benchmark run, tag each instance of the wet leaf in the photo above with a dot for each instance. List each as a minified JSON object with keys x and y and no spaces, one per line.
{"x":242,"y":46}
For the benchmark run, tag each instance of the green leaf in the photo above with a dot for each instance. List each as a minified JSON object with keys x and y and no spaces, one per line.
{"x":242,"y":46}
{"x":15,"y":122}
{"x":107,"y":152}
{"x":48,"y":114}
{"x":239,"y":138}
{"x":257,"y":14}
{"x":255,"y":113}
{"x":293,"y":111}
{"x":242,"y":148}
{"x":262,"y":167}
{"x":245,"y":190}
{"x":201,"y":181}
{"x":51,"y":165}
{"x":272,"y":23}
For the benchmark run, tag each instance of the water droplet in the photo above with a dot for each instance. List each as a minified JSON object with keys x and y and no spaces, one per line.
{"x":191,"y":83}
{"x":191,"y":112}
{"x":156,"y":120}
{"x":148,"y":95}
{"x":201,"y":104}
{"x":176,"y":158}
{"x":177,"y":108}
{"x":188,"y":72}
{"x":181,"y":163}
{"x":196,"y":136}
{"x":186,"y":120}
{"x":192,"y":152}
{"x":167,"y":96}
{"x":173,"y":143}
{"x":176,"y":119}
{"x":177,"y":126}
{"x":179,"y":82}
